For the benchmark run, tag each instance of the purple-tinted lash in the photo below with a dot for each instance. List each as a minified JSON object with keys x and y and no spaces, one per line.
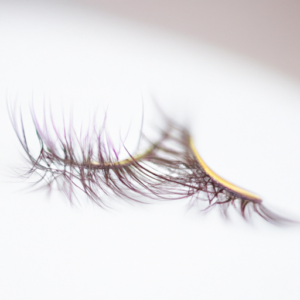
{"x":168,"y":170}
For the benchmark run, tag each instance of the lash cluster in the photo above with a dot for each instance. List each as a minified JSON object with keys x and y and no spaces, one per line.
{"x":167,"y":170}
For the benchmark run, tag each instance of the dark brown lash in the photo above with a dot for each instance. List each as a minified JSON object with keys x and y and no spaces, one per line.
{"x":185,"y":170}
{"x":168,"y":170}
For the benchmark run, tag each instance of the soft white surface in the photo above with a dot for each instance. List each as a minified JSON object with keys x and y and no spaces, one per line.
{"x":245,"y":120}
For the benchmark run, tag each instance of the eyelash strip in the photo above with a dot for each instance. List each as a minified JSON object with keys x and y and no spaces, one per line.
{"x":170,"y":169}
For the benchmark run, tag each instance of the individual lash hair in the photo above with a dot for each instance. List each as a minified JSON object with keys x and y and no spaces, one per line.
{"x":169,"y":169}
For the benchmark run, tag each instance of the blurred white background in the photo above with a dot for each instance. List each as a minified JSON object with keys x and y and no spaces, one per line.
{"x":245,"y":121}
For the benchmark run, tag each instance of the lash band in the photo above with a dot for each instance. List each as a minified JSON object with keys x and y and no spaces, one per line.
{"x":232,"y":188}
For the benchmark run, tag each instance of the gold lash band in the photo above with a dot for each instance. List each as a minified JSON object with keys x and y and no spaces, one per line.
{"x":127,"y":161}
{"x":228,"y":185}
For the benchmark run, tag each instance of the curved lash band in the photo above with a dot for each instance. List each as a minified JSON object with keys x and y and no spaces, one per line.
{"x":222,"y":193}
{"x":237,"y":191}
{"x":170,"y":169}
{"x":227,"y":193}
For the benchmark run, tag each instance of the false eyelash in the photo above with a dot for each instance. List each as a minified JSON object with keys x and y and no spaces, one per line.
{"x":170,"y":169}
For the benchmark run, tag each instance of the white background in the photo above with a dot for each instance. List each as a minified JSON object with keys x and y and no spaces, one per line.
{"x":245,"y":121}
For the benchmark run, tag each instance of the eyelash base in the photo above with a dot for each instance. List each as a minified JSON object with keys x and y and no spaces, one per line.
{"x":127,"y":161}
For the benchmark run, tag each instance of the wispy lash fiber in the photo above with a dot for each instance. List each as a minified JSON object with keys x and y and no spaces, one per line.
{"x":86,"y":162}
{"x":169,"y":170}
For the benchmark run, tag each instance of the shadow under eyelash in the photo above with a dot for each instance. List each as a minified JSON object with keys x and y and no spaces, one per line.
{"x":170,"y":169}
